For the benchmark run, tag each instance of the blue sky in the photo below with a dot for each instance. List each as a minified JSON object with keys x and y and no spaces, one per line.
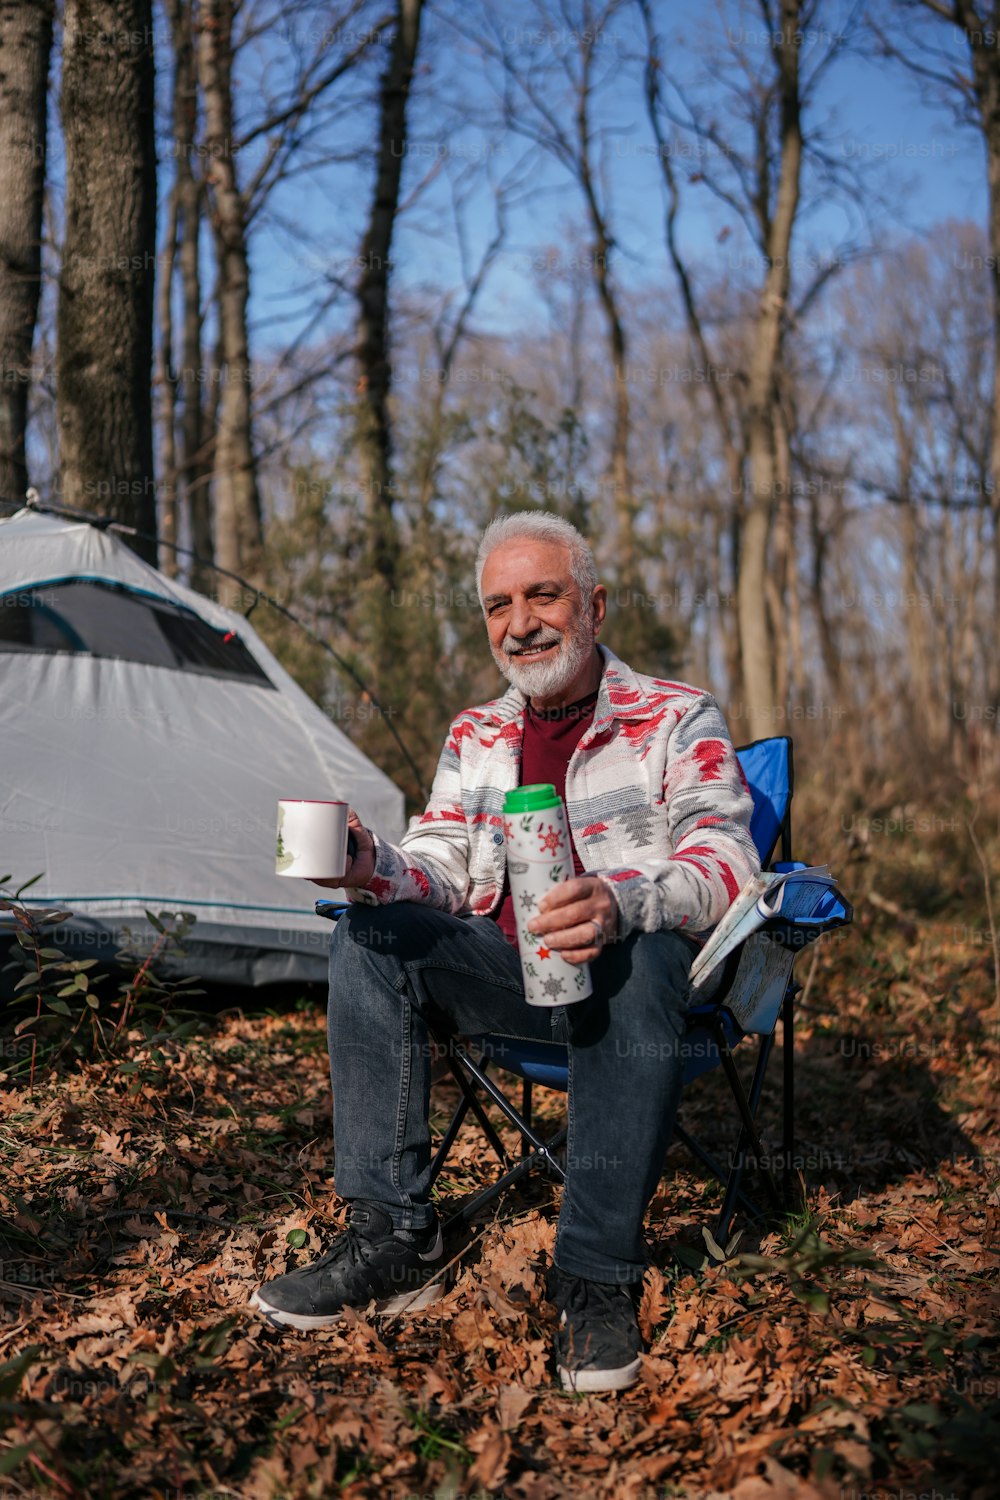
{"x":910,"y":150}
{"x":925,"y":167}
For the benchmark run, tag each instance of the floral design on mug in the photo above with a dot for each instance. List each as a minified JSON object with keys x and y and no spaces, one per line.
{"x":283,"y":858}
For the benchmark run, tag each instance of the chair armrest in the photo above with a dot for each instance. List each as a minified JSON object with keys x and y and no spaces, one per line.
{"x":808,"y":909}
{"x":331,"y":909}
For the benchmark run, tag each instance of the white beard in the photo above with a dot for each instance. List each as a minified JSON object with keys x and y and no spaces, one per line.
{"x":543,"y":679}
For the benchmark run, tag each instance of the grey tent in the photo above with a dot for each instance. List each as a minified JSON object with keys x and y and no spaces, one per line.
{"x":146,"y":734}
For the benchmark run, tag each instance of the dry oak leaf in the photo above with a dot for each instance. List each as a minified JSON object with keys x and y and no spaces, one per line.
{"x":511,"y":1263}
{"x":500,"y":1303}
{"x":655,"y":1465}
{"x":348,"y":1427}
{"x":738,"y":1383}
{"x":493,"y":1448}
{"x":268,"y":1479}
{"x":472,"y":1331}
{"x":830,"y":1418}
{"x":655,"y":1304}
{"x":106,"y":1315}
{"x":683,"y":1325}
{"x":438,"y":1385}
{"x":512,"y":1402}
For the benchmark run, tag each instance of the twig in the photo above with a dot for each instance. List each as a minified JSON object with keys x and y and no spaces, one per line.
{"x":139,"y":983}
{"x":803,"y":998}
{"x":57,"y":1479}
{"x":20,"y":1290}
{"x":11,"y":1333}
{"x":884,"y":904}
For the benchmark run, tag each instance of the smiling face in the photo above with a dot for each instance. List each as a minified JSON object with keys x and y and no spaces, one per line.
{"x":542,"y":632}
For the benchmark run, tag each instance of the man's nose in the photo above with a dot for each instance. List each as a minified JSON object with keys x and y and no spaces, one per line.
{"x":523,"y":620}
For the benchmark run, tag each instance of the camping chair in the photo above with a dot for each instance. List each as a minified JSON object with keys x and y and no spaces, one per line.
{"x":756,"y":988}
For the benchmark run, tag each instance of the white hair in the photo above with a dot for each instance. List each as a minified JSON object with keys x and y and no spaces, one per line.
{"x":541,"y":526}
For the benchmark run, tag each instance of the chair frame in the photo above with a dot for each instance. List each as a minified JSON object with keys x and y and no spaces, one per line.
{"x":537,"y":1152}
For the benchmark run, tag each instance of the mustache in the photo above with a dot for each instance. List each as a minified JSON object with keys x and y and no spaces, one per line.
{"x":511,"y":644}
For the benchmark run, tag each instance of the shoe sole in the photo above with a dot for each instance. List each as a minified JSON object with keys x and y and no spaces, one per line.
{"x":414,"y":1301}
{"x":587,"y":1381}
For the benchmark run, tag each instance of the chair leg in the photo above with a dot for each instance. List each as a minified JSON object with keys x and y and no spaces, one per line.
{"x":750,"y":1103}
{"x":471,"y":1206}
{"x":718,"y":1171}
{"x":457,"y":1064}
{"x":542,"y":1147}
{"x":749,"y":1133}
{"x":448,"y":1139}
{"x":540,"y":1153}
{"x":788,"y":1089}
{"x":526,"y":1112}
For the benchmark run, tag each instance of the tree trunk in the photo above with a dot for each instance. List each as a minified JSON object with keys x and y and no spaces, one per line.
{"x":374,"y":429}
{"x":106,"y":285}
{"x":166,"y":383}
{"x":194,"y":469}
{"x":620,"y":472}
{"x":375,"y":443}
{"x":820,"y":537}
{"x":790,"y":578}
{"x":25,"y":46}
{"x":755,"y":642}
{"x":238,"y":526}
{"x":631,"y":625}
{"x":986,"y":80}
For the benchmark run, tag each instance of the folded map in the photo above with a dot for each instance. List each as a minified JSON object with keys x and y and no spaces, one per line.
{"x":760,"y":900}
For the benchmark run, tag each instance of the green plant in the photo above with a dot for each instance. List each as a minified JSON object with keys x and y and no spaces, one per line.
{"x":136,"y":1026}
{"x":807,"y":1265}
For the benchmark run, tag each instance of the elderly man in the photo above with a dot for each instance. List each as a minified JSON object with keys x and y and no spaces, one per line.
{"x":659,"y":814}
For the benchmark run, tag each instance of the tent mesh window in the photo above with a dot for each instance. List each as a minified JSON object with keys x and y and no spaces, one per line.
{"x":102,"y":619}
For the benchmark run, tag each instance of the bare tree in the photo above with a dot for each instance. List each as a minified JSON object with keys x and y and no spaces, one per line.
{"x":274,"y":132}
{"x":25,"y":45}
{"x":105,"y":318}
{"x":374,"y":435}
{"x":974,"y":90}
{"x":919,"y":333}
{"x":185,"y":448}
{"x":549,"y":96}
{"x":238,"y":528}
{"x":759,"y":179}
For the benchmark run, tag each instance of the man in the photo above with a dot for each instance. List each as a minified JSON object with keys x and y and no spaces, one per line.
{"x":659,"y":814}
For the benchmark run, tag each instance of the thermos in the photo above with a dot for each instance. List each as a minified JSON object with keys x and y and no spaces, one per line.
{"x":539,"y":856}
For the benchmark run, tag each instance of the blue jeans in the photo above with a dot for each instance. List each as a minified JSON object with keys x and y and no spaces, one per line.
{"x":391,"y":966}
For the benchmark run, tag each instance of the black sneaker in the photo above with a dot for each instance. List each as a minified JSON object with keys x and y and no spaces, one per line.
{"x":598,"y":1342}
{"x":369,"y":1262}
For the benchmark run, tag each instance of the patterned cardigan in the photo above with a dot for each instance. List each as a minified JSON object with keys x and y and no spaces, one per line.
{"x":656,"y":799}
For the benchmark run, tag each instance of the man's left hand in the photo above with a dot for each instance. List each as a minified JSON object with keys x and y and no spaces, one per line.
{"x":577,"y":917}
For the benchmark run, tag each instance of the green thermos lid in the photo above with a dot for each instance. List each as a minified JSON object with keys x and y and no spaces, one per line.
{"x":527,"y":799}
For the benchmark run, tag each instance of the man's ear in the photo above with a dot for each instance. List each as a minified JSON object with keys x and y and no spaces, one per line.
{"x":598,"y":607}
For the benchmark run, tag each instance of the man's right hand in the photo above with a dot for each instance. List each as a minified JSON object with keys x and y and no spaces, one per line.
{"x":361,"y":868}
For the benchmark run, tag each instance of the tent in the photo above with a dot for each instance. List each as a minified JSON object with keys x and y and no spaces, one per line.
{"x":146,"y":734}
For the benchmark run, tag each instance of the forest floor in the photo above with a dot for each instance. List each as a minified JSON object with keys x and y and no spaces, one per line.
{"x":852,"y":1355}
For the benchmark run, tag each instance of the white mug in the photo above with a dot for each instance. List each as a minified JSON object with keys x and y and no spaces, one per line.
{"x":312,"y":838}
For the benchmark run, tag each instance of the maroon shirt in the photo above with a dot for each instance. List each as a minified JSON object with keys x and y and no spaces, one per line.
{"x":549,"y":741}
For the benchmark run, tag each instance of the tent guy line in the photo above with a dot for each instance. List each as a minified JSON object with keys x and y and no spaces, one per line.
{"x":284,"y":911}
